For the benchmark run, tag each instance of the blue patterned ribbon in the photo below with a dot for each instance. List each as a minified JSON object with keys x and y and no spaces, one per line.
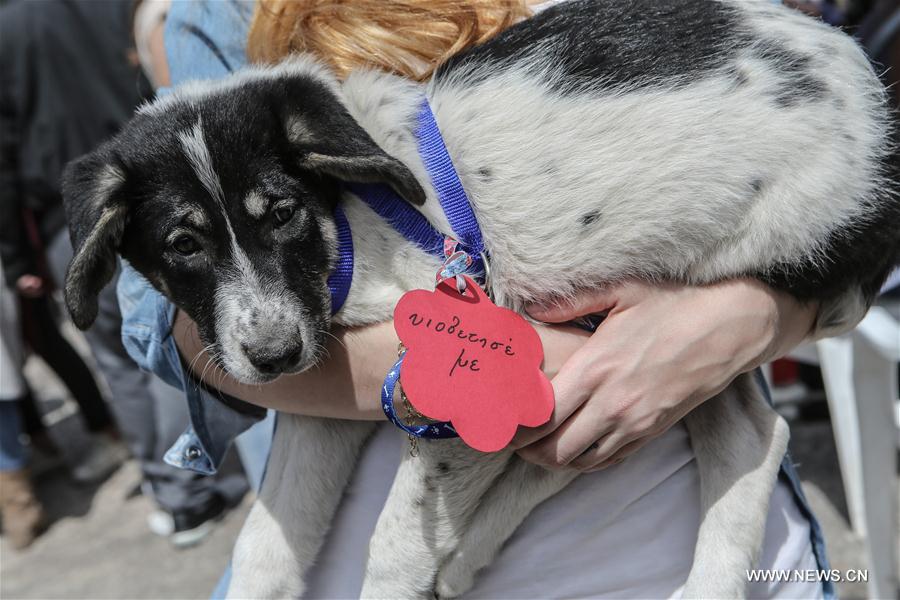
{"x":433,"y":431}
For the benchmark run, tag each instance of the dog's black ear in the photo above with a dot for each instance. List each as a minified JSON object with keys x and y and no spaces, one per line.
{"x":97,"y":214}
{"x":328,"y":140}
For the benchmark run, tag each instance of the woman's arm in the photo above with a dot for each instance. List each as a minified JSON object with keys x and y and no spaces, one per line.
{"x":347,"y":385}
{"x":344,"y":386}
{"x":662,"y":350}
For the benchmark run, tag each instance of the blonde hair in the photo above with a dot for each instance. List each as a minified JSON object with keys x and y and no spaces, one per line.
{"x":406,"y":37}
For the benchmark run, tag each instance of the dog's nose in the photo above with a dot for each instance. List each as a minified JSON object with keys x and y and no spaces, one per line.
{"x":272,"y":362}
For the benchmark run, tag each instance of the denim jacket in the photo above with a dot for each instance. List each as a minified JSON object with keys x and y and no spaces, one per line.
{"x":204,"y":40}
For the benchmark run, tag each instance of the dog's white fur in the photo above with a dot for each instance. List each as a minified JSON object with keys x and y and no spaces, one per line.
{"x":746,"y":185}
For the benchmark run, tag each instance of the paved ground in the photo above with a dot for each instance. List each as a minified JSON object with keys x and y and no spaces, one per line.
{"x":98,"y":545}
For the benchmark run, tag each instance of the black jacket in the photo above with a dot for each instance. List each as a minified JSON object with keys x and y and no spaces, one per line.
{"x":66,"y":84}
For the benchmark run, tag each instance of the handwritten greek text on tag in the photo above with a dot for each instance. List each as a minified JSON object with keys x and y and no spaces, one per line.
{"x":472,"y":363}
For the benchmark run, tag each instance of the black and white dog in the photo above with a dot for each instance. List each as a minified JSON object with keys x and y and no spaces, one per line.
{"x":687,"y":140}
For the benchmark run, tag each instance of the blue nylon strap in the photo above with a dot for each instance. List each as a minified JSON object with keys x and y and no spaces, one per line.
{"x":409,"y":222}
{"x":448,"y":186}
{"x":340,"y":279}
{"x":428,"y":431}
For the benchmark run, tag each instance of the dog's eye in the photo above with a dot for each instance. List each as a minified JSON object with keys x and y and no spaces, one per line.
{"x":185,"y":245}
{"x":283,"y":215}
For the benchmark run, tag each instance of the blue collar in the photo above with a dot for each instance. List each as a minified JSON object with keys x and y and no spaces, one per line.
{"x":408,"y":221}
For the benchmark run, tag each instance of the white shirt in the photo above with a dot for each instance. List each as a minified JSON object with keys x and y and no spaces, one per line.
{"x":626,"y":532}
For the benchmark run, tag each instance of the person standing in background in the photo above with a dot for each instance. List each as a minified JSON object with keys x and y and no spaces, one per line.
{"x":37,"y":326}
{"x":69,"y":81}
{"x":23,"y":516}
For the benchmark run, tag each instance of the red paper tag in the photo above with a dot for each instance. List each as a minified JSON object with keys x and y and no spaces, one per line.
{"x":472,"y":363}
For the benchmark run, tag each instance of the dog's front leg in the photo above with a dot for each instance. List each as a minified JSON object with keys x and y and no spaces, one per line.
{"x":739,"y":443}
{"x":309,"y":467}
{"x":517,"y":492}
{"x":427,"y":511}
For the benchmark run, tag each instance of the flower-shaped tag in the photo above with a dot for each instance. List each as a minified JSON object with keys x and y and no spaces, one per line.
{"x":472,"y":363}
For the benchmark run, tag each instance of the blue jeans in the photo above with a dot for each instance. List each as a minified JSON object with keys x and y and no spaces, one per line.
{"x":13,"y":453}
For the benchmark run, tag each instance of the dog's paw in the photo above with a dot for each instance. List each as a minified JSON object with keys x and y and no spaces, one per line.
{"x":455,"y":578}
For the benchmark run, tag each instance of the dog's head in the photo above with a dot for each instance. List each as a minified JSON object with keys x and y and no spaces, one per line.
{"x":222,"y":196}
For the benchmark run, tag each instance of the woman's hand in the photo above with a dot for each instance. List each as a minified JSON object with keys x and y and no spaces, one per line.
{"x":661,"y":351}
{"x":31,"y":286}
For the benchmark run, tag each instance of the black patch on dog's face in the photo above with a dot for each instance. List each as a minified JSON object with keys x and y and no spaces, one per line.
{"x":224,"y":201}
{"x":174,"y":211}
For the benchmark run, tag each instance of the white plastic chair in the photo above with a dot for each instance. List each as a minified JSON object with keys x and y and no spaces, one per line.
{"x":860,"y":374}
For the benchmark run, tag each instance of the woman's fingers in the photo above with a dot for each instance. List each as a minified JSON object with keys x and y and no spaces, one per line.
{"x":572,"y":387}
{"x":596,"y":420}
{"x":603,"y":450}
{"x":590,"y":461}
{"x":579,"y":376}
{"x":588,"y":438}
{"x":567,"y":444}
{"x":585,"y":303}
